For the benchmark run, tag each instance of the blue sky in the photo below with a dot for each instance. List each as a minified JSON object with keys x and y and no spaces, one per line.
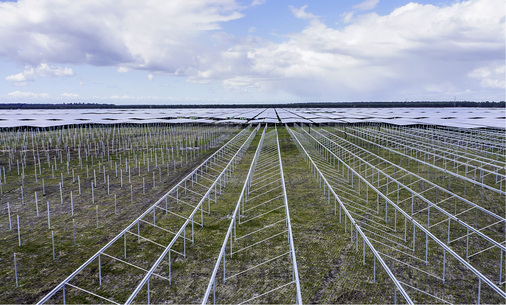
{"x":251,"y":51}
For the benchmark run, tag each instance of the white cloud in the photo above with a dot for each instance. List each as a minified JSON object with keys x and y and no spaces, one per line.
{"x":20,"y":77}
{"x":121,"y":97}
{"x":409,"y":51}
{"x":43,"y":70}
{"x":150,"y":76}
{"x":24,"y":94}
{"x":348,"y":17}
{"x":156,"y":35}
{"x":493,"y":76}
{"x":414,"y":49}
{"x":69,"y":95}
{"x":366,"y":5}
{"x":257,"y":2}
{"x":301,"y":12}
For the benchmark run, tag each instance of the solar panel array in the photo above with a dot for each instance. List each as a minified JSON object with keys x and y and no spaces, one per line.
{"x":449,"y":117}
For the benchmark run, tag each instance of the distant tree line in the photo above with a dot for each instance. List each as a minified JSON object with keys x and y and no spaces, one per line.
{"x":418,"y":104}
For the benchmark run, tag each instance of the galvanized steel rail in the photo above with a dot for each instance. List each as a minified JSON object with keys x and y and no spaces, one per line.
{"x":423,"y":198}
{"x":212,"y":283}
{"x":258,"y":170}
{"x":61,"y":286}
{"x":146,"y":278}
{"x":441,"y":147}
{"x":475,"y":182}
{"x":480,"y":276}
{"x":376,"y":254}
{"x":398,"y":140}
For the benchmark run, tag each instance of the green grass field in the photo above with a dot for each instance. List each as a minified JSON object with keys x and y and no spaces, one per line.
{"x":331,"y":267}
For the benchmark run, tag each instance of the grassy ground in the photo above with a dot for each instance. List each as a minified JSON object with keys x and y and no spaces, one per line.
{"x":487,"y":261}
{"x":37,"y":272}
{"x":331,"y":269}
{"x":461,"y":285}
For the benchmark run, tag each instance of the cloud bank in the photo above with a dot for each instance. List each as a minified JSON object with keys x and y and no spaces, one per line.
{"x":152,"y":34}
{"x":415,"y":51}
{"x":42,"y":70}
{"x":24,"y":95}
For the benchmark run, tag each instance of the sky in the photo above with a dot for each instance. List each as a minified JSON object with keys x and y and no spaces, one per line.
{"x":251,"y":51}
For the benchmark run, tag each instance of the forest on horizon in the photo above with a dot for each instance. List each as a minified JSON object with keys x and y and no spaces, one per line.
{"x":415,"y":104}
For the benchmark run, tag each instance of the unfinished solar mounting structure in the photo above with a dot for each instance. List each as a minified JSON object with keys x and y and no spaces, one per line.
{"x":175,"y":206}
